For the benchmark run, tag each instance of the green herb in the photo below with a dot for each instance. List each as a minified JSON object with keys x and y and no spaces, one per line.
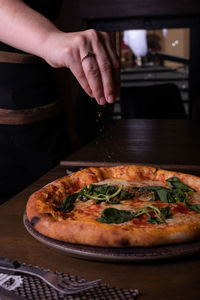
{"x":164,"y":195}
{"x":152,"y":188}
{"x":82,"y":193}
{"x":103,"y":189}
{"x":195,"y":207}
{"x":160,"y":214}
{"x":83,"y":198}
{"x":166,"y":212}
{"x":159,"y":193}
{"x":68,"y":202}
{"x":112,"y":201}
{"x":125,"y":195}
{"x":101,"y":193}
{"x":115,"y":216}
{"x":175,"y":183}
{"x":177,"y":191}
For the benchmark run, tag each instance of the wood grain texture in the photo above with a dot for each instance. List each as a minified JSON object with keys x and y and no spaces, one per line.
{"x":161,"y":143}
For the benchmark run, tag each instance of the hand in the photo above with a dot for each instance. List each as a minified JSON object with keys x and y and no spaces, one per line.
{"x":27,"y":30}
{"x":98,"y":74}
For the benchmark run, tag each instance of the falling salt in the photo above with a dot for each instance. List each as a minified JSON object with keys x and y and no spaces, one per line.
{"x":99,"y":113}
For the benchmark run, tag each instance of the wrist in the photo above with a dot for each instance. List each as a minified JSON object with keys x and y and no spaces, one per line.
{"x":52,"y":50}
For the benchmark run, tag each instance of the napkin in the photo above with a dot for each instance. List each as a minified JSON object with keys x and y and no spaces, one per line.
{"x":10,"y":282}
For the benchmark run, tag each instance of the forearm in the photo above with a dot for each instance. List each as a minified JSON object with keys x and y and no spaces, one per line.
{"x":27,"y":30}
{"x":23,"y":27}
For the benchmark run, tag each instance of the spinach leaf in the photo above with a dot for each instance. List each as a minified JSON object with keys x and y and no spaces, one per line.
{"x":154,"y":220}
{"x":104,"y":189}
{"x":100,"y":193}
{"x":125,"y":195}
{"x":153,"y":188}
{"x":109,"y":201}
{"x":115,"y":216}
{"x":148,"y":209}
{"x":177,"y":191}
{"x":83,"y":198}
{"x":87,"y":193}
{"x":68,"y":202}
{"x":166,"y":212}
{"x":113,"y":201}
{"x":160,"y":193}
{"x":175,"y":183}
{"x":83,"y":191}
{"x":98,"y":201}
{"x":195,"y":207}
{"x":179,"y":195}
{"x":160,"y":214}
{"x":164,"y":195}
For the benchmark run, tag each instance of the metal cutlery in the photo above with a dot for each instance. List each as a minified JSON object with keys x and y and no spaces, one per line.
{"x":52,"y":279}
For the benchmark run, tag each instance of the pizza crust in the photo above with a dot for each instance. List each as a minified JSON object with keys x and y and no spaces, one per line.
{"x":91,"y":232}
{"x":103,"y":235}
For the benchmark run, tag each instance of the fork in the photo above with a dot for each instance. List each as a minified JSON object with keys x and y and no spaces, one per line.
{"x":52,"y":279}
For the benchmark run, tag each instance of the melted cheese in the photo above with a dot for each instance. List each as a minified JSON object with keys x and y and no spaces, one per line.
{"x":89,"y":209}
{"x":130,"y":184}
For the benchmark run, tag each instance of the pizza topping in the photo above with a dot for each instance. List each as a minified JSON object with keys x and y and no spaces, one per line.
{"x":108,"y":193}
{"x":97,"y":192}
{"x":175,"y":183}
{"x":180,"y":208}
{"x":154,"y":214}
{"x":177,"y":191}
{"x":100,"y":193}
{"x":112,"y":194}
{"x":68,"y":202}
{"x":195,"y":207}
{"x":112,"y":215}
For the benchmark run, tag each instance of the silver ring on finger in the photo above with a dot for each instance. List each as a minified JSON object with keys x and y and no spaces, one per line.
{"x":90,"y":53}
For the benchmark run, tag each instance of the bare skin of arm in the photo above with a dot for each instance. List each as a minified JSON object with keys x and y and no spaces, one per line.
{"x":27,"y":30}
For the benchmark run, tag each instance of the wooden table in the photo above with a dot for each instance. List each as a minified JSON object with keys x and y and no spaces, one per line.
{"x":174,"y":279}
{"x":162,"y":143}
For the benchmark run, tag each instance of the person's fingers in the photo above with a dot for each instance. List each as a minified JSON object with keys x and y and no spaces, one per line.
{"x":96,"y":73}
{"x":93,"y":75}
{"x":114,"y":59}
{"x":105,"y":64}
{"x":77,"y":69}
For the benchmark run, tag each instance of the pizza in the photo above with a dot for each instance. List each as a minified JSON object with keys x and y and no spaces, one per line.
{"x":122,"y":206}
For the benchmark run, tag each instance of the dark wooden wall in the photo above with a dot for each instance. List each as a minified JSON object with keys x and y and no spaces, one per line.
{"x":95,"y":9}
